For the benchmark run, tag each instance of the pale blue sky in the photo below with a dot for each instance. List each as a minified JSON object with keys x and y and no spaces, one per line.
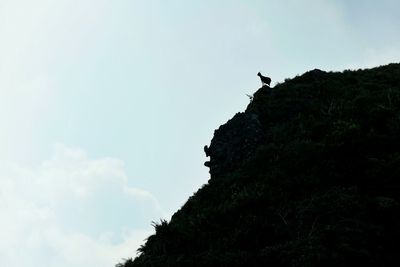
{"x":105,"y":106}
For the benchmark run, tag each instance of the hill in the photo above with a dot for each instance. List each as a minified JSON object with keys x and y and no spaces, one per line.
{"x":308,"y":175}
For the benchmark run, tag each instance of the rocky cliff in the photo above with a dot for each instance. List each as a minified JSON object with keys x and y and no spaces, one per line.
{"x":308,"y":175}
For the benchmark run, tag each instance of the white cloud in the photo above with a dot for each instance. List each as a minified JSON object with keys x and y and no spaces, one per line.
{"x":72,"y":211}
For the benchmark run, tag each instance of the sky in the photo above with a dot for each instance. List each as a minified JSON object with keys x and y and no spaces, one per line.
{"x":105,"y":106}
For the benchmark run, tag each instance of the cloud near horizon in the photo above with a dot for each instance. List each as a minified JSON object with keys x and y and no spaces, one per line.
{"x":72,"y":211}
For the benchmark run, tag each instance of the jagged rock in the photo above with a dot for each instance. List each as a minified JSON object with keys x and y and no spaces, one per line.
{"x":207,"y":151}
{"x":234,"y":142}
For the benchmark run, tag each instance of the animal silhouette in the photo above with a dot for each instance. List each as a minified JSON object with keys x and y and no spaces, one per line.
{"x":264,"y":80}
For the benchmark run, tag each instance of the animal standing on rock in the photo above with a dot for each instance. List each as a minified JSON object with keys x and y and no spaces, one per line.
{"x":264,"y":80}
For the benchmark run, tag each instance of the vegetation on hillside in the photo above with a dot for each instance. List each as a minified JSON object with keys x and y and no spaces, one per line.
{"x":321,"y":189}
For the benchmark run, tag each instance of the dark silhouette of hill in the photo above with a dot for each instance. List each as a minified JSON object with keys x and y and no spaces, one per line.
{"x":308,"y":175}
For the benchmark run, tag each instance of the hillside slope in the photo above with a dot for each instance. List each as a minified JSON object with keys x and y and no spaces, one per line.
{"x":308,"y":175}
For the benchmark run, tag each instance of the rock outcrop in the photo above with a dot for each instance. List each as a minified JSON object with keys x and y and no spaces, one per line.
{"x":234,"y":143}
{"x":307,"y":176}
